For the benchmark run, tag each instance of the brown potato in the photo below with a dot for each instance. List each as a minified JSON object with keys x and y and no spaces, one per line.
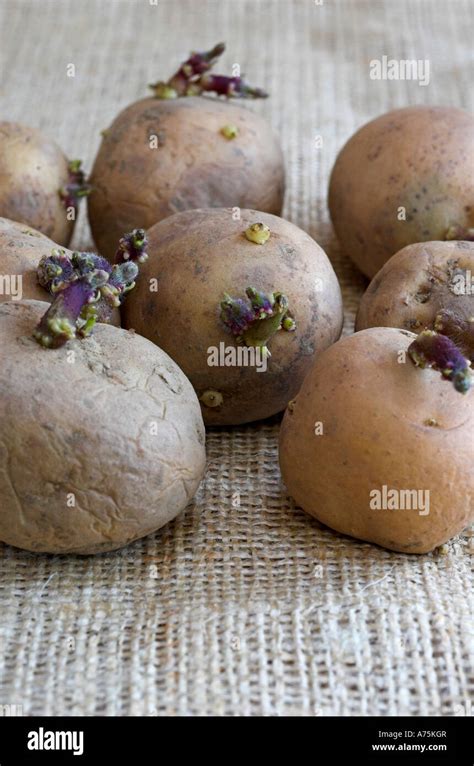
{"x":384,"y":424}
{"x":419,"y":282}
{"x":33,"y":169}
{"x":405,"y":177}
{"x":198,"y":256}
{"x":94,"y":452}
{"x":21,"y":249}
{"x":193,"y":165}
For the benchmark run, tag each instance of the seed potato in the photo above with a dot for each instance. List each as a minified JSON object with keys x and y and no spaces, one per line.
{"x":418,"y":283}
{"x":102,"y":441}
{"x":161,"y":157}
{"x":198,"y":256}
{"x":384,"y":424}
{"x":404,"y":177}
{"x":33,"y":170}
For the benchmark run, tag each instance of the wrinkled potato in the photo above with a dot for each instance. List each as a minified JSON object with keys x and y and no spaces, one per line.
{"x":197,"y":257}
{"x":405,"y":177}
{"x":365,"y":424}
{"x":33,"y":170}
{"x":160,"y":157}
{"x":94,"y":452}
{"x":420,"y":282}
{"x":21,"y":249}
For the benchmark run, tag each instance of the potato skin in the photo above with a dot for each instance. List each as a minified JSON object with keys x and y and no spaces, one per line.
{"x":416,"y":283}
{"x":375,"y":413}
{"x":194,"y":166}
{"x":419,"y":158}
{"x":21,"y":249}
{"x":199,"y":255}
{"x":32,"y":171}
{"x":120,"y":429}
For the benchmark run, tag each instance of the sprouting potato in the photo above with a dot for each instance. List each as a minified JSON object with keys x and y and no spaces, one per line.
{"x":39,"y":186}
{"x":102,"y":440}
{"x":255,"y":284}
{"x":380,"y":449}
{"x":192,"y":165}
{"x":428,"y":285}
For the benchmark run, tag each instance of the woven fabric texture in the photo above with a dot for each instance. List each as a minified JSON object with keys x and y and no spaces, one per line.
{"x":242,"y":605}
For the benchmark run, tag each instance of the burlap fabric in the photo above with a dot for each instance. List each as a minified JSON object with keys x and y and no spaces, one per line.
{"x":243,"y":605}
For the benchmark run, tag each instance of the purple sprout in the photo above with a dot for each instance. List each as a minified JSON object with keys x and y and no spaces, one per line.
{"x":254,"y":321}
{"x":132,"y":246}
{"x":193,"y":78}
{"x":188,"y":72}
{"x":71,"y":314}
{"x":55,"y":271}
{"x":86,"y":288}
{"x":77,"y":186}
{"x":84,"y":263}
{"x":432,"y":349}
{"x":458,"y":232}
{"x":459,"y":326}
{"x":231,"y":87}
{"x":122,"y":280}
{"x":237,"y":315}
